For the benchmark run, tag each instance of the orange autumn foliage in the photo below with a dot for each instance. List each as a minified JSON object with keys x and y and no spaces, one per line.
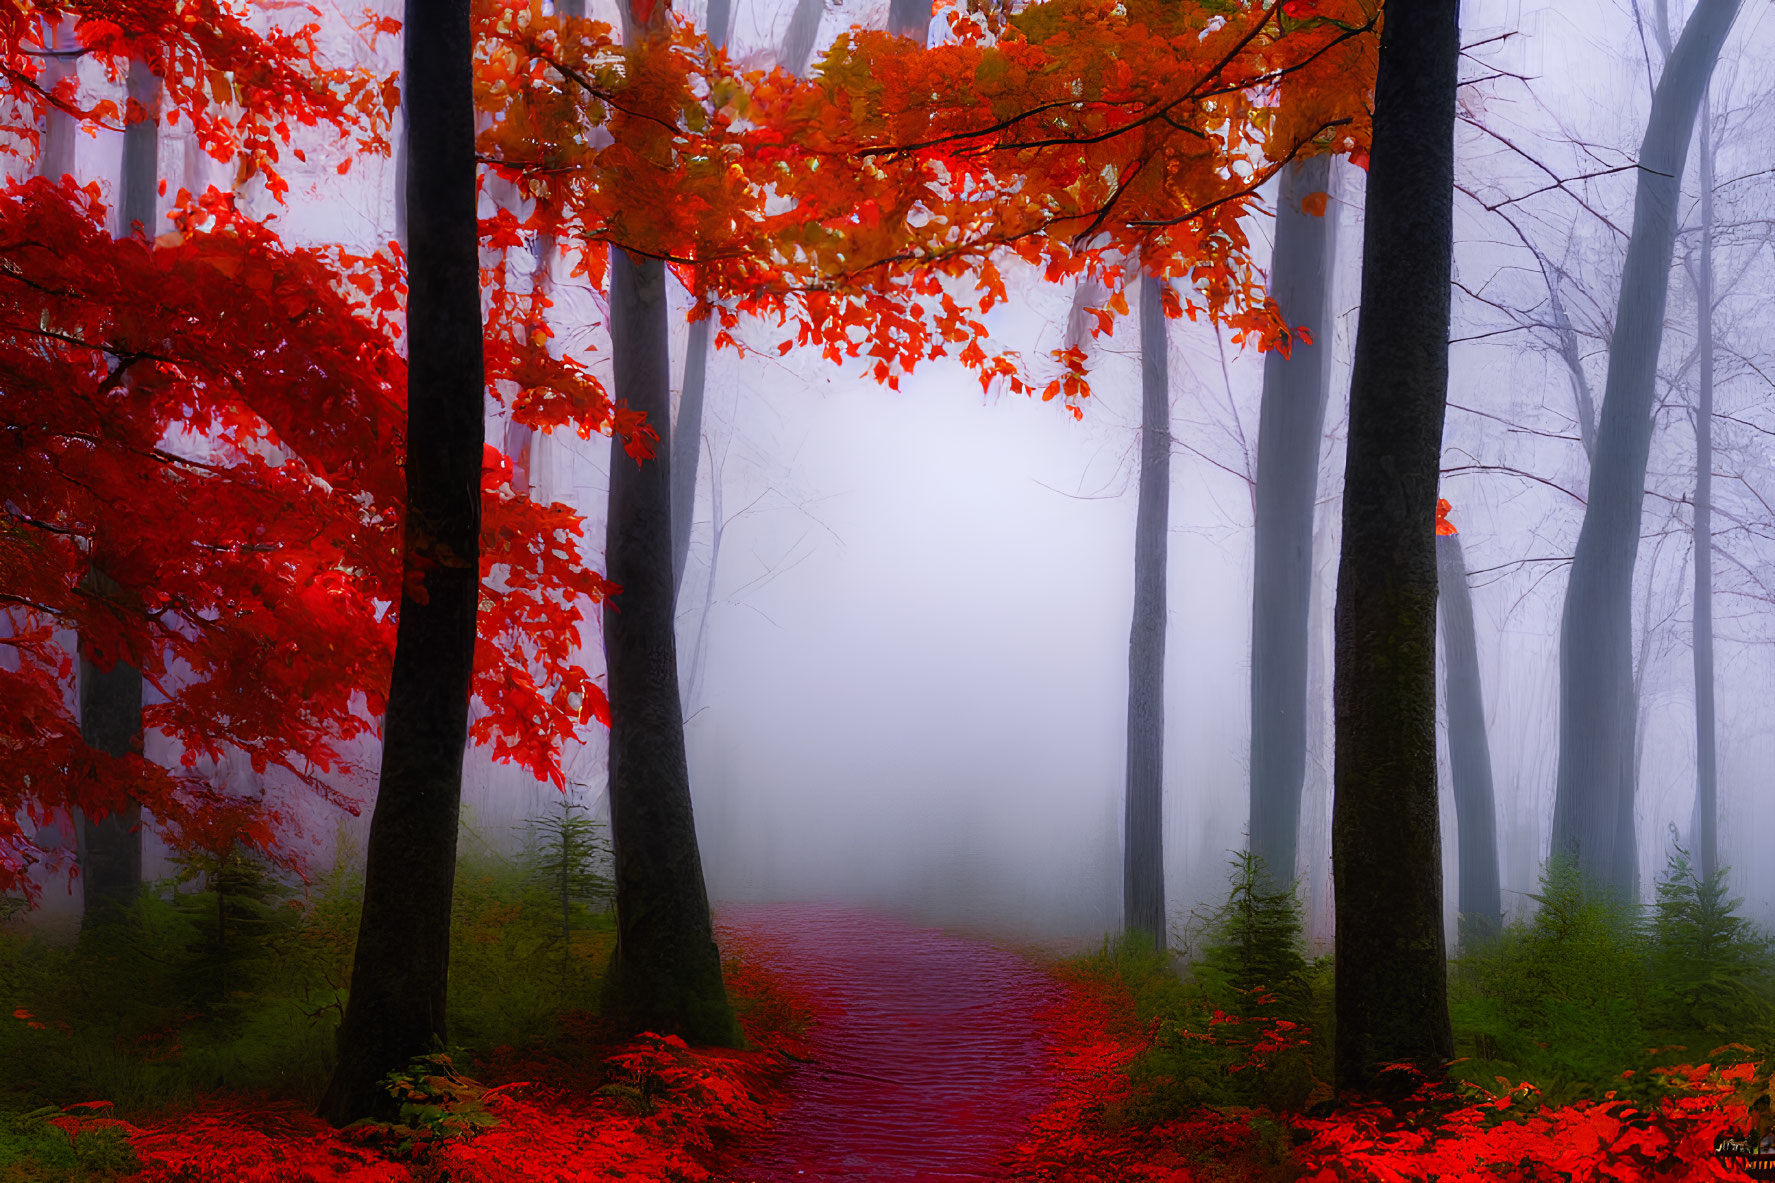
{"x":871,"y":208}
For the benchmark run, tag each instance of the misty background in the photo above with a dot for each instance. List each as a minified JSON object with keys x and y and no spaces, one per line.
{"x":905,"y":660}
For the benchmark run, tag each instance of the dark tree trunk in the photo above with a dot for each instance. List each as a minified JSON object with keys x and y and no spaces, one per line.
{"x":910,"y":18}
{"x":1706,"y":741}
{"x":1290,"y":424}
{"x":1594,"y":797}
{"x":137,"y":195}
{"x":665,"y":973}
{"x":798,"y":38}
{"x":1392,"y":998}
{"x":399,"y":978}
{"x":1479,"y":903}
{"x":110,"y":848}
{"x":1143,"y":857}
{"x":687,"y":445}
{"x":55,"y":155}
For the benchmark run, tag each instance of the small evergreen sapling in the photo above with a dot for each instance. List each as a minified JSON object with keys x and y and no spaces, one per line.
{"x":1710,"y":965}
{"x":566,"y":857}
{"x":237,"y":916}
{"x":1255,"y":940}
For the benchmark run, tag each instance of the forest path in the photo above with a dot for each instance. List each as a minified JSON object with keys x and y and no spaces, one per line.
{"x":929,"y":1053}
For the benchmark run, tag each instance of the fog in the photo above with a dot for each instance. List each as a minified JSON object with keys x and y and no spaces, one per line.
{"x":906,"y":681}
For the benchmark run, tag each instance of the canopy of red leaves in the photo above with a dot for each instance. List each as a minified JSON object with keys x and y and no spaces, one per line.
{"x":241,"y":89}
{"x":216,"y":420}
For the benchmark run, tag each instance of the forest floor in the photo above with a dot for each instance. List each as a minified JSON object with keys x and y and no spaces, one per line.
{"x":885,"y":1051}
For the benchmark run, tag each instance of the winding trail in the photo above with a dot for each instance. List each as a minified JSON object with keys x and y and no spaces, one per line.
{"x":929,"y":1051}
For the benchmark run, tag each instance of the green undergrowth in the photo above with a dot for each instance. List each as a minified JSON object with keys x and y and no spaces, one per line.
{"x":1243,"y":961}
{"x":1589,"y":993}
{"x":32,"y":1150}
{"x":231,"y":977}
{"x":1582,"y":997}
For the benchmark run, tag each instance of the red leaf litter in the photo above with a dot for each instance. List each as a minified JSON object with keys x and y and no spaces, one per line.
{"x":883,"y":1051}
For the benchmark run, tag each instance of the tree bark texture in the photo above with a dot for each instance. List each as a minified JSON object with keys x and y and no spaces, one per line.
{"x":665,"y":973}
{"x":1291,"y":422}
{"x":1392,"y":998}
{"x":1479,"y":903}
{"x":1706,"y":738}
{"x":55,"y":151}
{"x":1593,"y":813}
{"x":109,"y":848}
{"x":1143,"y":856}
{"x":139,"y":192}
{"x":398,"y":984}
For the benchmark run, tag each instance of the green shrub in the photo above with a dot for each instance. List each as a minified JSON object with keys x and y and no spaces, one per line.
{"x":240,"y":984}
{"x":1709,"y":966}
{"x":34,"y":1151}
{"x":1589,"y":988}
{"x":1250,"y":968}
{"x":438,"y":1104}
{"x":565,"y":856}
{"x":1252,"y":960}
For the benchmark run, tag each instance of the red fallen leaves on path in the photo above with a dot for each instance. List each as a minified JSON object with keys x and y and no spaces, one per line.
{"x":673,"y":1113}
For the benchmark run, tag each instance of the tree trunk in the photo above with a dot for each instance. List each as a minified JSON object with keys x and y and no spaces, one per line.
{"x":1582,"y":398}
{"x":687,"y":429}
{"x":399,"y":978}
{"x":1392,"y":998}
{"x":1143,"y":857}
{"x":665,"y":973}
{"x":1593,"y":813}
{"x":1290,"y":425}
{"x":910,"y":18}
{"x":798,"y":38}
{"x":720,"y":21}
{"x":687,"y":444}
{"x":1706,"y":741}
{"x":55,"y":154}
{"x":138,"y":191}
{"x":1479,"y":904}
{"x":110,"y":848}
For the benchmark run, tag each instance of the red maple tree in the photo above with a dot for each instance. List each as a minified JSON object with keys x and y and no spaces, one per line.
{"x":217,"y":419}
